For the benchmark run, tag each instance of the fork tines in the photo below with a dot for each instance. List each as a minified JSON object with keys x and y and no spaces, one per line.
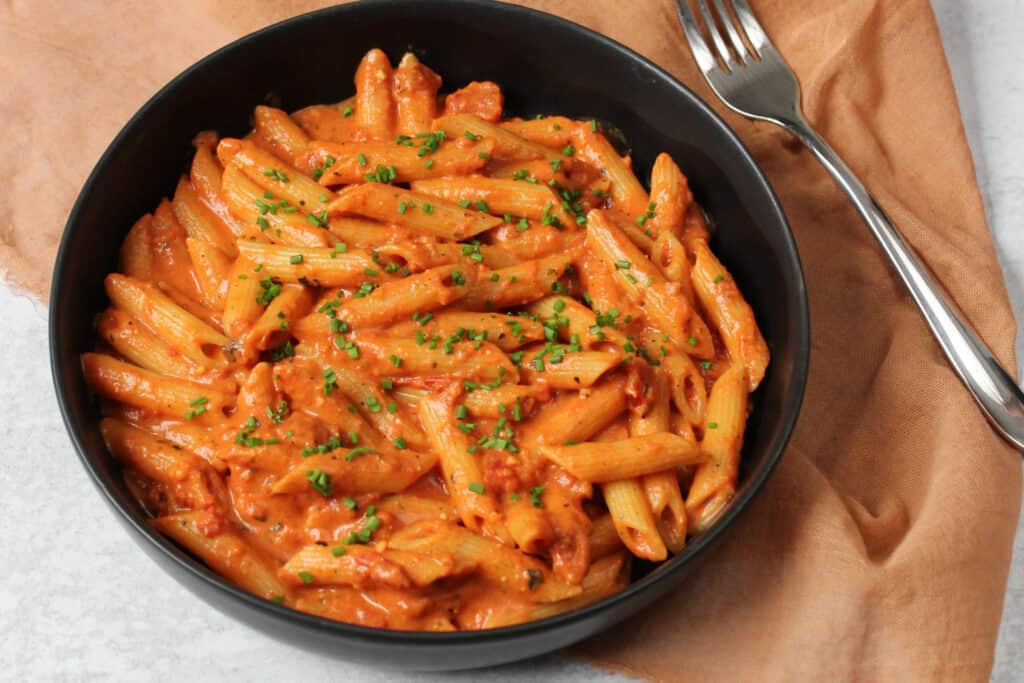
{"x":746,"y":39}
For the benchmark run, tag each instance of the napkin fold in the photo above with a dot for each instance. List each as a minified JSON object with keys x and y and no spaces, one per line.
{"x":879,"y":549}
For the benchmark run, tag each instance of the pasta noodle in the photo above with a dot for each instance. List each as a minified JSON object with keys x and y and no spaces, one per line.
{"x":402,"y":362}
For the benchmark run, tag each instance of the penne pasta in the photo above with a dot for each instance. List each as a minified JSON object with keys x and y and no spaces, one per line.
{"x":136,"y":343}
{"x":374,"y":105}
{"x":730,"y":314}
{"x":357,"y":162}
{"x":518,"y":285}
{"x":626,"y":192}
{"x":416,"y":212}
{"x":415,"y":95}
{"x":208,"y":538}
{"x":190,"y":336}
{"x":715,"y":481}
{"x":372,"y":359}
{"x":507,"y":145}
{"x":273,"y":175}
{"x":212,"y":267}
{"x":276,"y":131}
{"x":632,"y":457}
{"x":266,"y":218}
{"x":500,"y":196}
{"x":206,"y":175}
{"x":478,"y":510}
{"x":120,"y":381}
{"x":318,"y":266}
{"x":198,"y":221}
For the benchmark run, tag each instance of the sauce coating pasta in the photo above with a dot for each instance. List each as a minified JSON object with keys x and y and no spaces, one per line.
{"x":402,"y":362}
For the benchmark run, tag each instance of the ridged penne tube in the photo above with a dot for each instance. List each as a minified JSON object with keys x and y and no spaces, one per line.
{"x":408,"y":508}
{"x":605,"y":297}
{"x":276,"y":131}
{"x":686,"y":384}
{"x":356,"y":566}
{"x":208,"y":538}
{"x":212,"y":267}
{"x":536,"y":242}
{"x":538,"y":169}
{"x":644,"y":284}
{"x":266,"y":219}
{"x":455,"y":358}
{"x":198,"y":221}
{"x":695,"y":227}
{"x":662,"y":488}
{"x":529,"y":527}
{"x":382,"y":471}
{"x":179,"y":328}
{"x":414,"y":90}
{"x":576,"y":370}
{"x":136,"y":258}
{"x":241,"y":306}
{"x":140,"y":451}
{"x":362,"y":567}
{"x":273,"y":175}
{"x":667,"y":506}
{"x":643,"y":238}
{"x":371,"y":403}
{"x":507,"y":145}
{"x":669,"y":255}
{"x":207,"y":178}
{"x":171,"y":266}
{"x":498,"y":563}
{"x":139,"y":345}
{"x":632,"y":457}
{"x":626,"y":191}
{"x":634,"y":522}
{"x":374,"y":105}
{"x":274,"y":325}
{"x":604,"y":538}
{"x":361,"y":233}
{"x":550,"y":131}
{"x":353,"y":161}
{"x":576,"y":416}
{"x":507,"y":332}
{"x":715,"y":481}
{"x":606,"y":576}
{"x":320,"y":266}
{"x":730,"y":314}
{"x":423,"y":292}
{"x":420,"y":213}
{"x":500,"y":196}
{"x":330,"y":122}
{"x":188,"y":435}
{"x":207,"y":315}
{"x":671,"y":196}
{"x":581,"y":321}
{"x":462,"y":474}
{"x":518,"y":285}
{"x":120,"y":381}
{"x":504,"y":400}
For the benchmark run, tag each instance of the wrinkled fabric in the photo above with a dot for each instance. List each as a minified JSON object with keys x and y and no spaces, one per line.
{"x":879,"y":549}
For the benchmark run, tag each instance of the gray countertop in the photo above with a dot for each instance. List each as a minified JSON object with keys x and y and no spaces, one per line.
{"x":78,"y":601}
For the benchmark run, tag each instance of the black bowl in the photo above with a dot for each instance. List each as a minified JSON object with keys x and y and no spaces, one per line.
{"x":544,"y":65}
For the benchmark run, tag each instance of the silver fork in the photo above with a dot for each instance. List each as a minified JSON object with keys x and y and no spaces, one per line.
{"x":750,"y":76}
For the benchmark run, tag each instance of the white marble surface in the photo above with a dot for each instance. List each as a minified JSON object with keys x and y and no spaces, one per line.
{"x":78,"y":601}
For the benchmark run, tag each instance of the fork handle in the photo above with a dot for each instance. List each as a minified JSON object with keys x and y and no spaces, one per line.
{"x":992,"y":387}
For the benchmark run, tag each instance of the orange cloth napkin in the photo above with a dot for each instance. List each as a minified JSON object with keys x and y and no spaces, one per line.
{"x":879,"y":549}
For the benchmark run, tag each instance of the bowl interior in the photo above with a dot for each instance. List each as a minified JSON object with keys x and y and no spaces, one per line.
{"x":544,"y":66}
